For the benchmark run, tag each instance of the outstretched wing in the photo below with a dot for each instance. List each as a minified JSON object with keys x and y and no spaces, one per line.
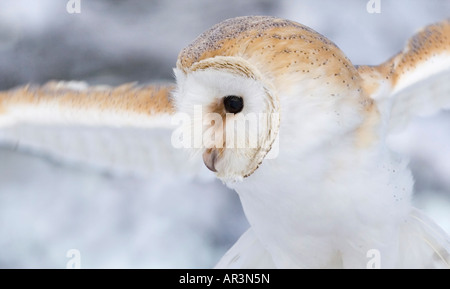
{"x":122,"y":129}
{"x":416,"y":82}
{"x":165,"y":196}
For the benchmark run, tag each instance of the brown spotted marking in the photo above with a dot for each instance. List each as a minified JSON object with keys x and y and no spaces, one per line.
{"x":373,"y":77}
{"x":431,"y":41}
{"x":278,"y":48}
{"x":283,"y":54}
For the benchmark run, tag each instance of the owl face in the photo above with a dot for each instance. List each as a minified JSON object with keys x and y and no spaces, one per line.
{"x":234,"y":115}
{"x":249,"y":78}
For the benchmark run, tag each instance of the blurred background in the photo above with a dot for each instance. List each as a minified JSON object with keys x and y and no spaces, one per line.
{"x":159,"y":217}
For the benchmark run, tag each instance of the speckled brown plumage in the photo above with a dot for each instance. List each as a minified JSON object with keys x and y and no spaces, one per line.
{"x":275,"y":46}
{"x":429,"y":42}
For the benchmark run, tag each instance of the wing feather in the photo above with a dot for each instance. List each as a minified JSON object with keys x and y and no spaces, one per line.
{"x":125,"y":129}
{"x":77,"y":103}
{"x":246,"y":253}
{"x":423,"y":244}
{"x":415,"y":82}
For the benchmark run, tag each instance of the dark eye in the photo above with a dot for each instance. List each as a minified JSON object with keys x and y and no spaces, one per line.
{"x":233,"y":103}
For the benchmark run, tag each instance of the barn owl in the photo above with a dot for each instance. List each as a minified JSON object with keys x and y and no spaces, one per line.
{"x":334,"y":194}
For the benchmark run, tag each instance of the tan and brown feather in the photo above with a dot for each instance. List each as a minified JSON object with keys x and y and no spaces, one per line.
{"x":147,"y":100}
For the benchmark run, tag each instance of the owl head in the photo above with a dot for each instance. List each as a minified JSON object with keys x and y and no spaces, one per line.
{"x":251,"y":83}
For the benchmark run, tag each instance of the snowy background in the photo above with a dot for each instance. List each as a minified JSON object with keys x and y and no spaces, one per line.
{"x":159,"y":217}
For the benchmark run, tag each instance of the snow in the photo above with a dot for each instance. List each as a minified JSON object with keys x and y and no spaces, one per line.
{"x":165,"y":219}
{"x":114,"y":221}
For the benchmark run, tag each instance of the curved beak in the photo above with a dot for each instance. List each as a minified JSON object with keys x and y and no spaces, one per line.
{"x":209,"y":158}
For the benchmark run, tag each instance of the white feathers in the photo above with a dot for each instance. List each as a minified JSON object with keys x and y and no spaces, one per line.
{"x":137,"y":151}
{"x":420,"y":76}
{"x":436,"y":64}
{"x":246,"y":137}
{"x":247,"y":253}
{"x":334,"y":195}
{"x":205,"y":87}
{"x":90,"y":134}
{"x":425,"y":245}
{"x":424,"y":98}
{"x":328,"y":201}
{"x":53,"y":114}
